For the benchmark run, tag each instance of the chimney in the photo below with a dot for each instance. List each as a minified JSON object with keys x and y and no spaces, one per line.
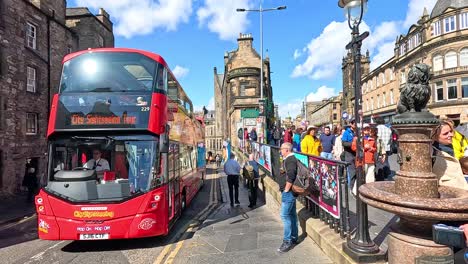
{"x":245,"y":41}
{"x":104,"y":17}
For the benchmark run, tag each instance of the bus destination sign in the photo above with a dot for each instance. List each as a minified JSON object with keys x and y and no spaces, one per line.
{"x":106,"y":110}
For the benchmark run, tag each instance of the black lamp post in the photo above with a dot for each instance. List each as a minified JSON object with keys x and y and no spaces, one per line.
{"x":361,"y":245}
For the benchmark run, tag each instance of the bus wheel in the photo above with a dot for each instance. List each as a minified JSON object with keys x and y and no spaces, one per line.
{"x":184,"y":201}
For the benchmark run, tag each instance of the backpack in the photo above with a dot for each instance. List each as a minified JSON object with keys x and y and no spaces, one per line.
{"x":276,"y":134}
{"x":304,"y":183}
{"x":249,"y":172}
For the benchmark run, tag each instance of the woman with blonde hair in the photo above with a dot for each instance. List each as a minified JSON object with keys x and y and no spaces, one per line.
{"x":445,"y":166}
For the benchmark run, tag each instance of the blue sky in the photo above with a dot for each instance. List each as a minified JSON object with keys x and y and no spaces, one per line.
{"x":305,"y":42}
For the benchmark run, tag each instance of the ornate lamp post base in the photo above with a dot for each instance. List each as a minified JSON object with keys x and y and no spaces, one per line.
{"x":363,"y":253}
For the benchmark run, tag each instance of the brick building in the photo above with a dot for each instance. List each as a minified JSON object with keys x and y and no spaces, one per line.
{"x":34,"y":37}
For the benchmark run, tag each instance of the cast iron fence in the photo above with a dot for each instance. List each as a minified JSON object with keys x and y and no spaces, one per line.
{"x":330,"y":203}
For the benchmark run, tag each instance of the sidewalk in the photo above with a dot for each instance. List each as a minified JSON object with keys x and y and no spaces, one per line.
{"x":243,"y":235}
{"x":14,"y":208}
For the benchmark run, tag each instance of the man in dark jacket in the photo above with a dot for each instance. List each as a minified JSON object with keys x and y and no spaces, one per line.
{"x":253,"y":134}
{"x":288,"y":199}
{"x":348,"y":154}
{"x":252,"y":183}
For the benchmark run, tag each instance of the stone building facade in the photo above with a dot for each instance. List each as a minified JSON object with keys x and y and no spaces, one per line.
{"x":327,"y":113}
{"x":213,"y":137}
{"x":347,"y":67}
{"x":439,"y":40}
{"x":34,"y":37}
{"x":237,"y":91}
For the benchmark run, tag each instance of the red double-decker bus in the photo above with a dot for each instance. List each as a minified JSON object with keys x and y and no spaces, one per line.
{"x":126,"y":154}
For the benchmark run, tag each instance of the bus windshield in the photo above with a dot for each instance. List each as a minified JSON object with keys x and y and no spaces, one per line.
{"x":110,"y":72}
{"x":103,"y":168}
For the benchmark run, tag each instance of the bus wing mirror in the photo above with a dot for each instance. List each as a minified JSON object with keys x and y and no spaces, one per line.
{"x":164,"y":141}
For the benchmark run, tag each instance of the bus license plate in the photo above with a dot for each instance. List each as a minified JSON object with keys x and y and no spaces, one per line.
{"x":93,"y":236}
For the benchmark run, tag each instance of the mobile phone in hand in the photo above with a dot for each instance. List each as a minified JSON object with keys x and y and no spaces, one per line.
{"x":448,"y":235}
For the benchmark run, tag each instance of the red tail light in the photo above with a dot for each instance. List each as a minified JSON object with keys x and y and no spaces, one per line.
{"x":395,"y":137}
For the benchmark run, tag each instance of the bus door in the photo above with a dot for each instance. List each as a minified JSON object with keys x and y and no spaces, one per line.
{"x":173,"y":185}
{"x":177,"y":193}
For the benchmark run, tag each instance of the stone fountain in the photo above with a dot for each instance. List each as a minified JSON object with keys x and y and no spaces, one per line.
{"x":415,"y":195}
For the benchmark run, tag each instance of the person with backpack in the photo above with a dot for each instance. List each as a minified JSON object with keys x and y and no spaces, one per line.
{"x":250,"y":172}
{"x":277,"y":136}
{"x":288,"y":198}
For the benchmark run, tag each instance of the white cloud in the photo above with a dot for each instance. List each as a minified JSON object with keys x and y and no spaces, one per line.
{"x":415,"y":11}
{"x":211,"y":104}
{"x":291,"y":108}
{"x":297,"y":54}
{"x":324,"y":53}
{"x":142,"y":17}
{"x":323,"y":92}
{"x":222,"y":18}
{"x":180,"y":72}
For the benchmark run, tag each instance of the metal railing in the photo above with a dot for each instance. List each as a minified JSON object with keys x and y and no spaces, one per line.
{"x":330,"y":203}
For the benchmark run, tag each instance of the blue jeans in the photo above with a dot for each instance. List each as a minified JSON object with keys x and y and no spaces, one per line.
{"x":326,"y":155}
{"x":289,"y":216}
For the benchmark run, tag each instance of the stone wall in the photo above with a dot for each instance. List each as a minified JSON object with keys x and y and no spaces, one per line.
{"x":53,"y":41}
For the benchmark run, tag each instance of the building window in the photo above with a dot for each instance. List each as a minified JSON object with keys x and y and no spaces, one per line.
{"x":31,"y":35}
{"x":372,"y":103}
{"x":450,"y":24}
{"x":463,"y":20}
{"x":464,"y":57}
{"x":334,"y":116}
{"x":243,"y":86}
{"x":391,"y":74}
{"x":435,"y":29}
{"x":437,"y":63}
{"x":402,"y":76}
{"x":384,"y":103}
{"x":452,"y":89}
{"x":364,"y":86}
{"x":383,"y":78}
{"x":439,"y":88}
{"x":31,"y":80}
{"x":450,"y":60}
{"x":402,"y":48}
{"x":334,"y":106}
{"x":31,"y":123}
{"x":464,"y":83}
{"x":391,"y":96}
{"x":378,"y":101}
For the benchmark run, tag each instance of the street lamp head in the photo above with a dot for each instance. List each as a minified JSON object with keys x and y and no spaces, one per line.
{"x":354,"y":10}
{"x":240,"y":9}
{"x":281,"y":7}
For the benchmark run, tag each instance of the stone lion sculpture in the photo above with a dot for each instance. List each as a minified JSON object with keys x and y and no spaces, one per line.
{"x":416,"y":93}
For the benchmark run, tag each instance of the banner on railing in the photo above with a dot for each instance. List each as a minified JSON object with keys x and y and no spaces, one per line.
{"x":324,"y":174}
{"x":262,"y":155}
